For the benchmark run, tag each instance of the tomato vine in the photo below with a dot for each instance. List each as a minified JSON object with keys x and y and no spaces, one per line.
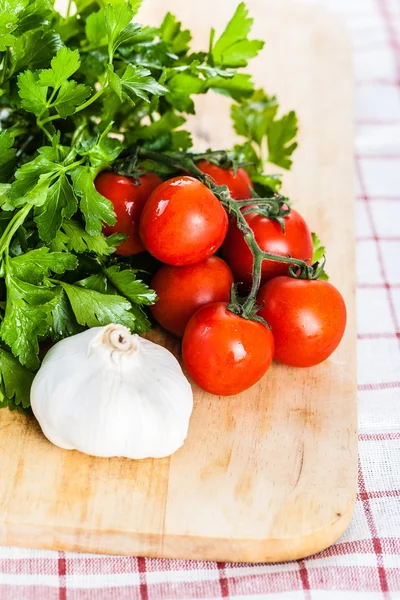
{"x":275,"y":207}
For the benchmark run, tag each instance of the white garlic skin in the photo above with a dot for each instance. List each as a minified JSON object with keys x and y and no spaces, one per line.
{"x":106,"y":392}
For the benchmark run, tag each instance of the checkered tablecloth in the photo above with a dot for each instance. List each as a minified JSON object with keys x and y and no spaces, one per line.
{"x":365,"y":563}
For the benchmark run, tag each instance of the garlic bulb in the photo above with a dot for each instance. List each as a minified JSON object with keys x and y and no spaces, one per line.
{"x":107,"y":392}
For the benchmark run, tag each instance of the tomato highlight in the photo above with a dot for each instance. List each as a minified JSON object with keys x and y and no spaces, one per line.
{"x":224,"y":353}
{"x":183,"y":222}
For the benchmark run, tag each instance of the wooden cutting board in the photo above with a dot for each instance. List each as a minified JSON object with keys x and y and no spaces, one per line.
{"x":269,"y":475}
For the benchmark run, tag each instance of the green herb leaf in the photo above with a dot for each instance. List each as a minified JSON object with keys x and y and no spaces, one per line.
{"x":124,"y":283}
{"x":33,"y":95}
{"x":62,"y":319}
{"x":95,"y":28}
{"x":116,"y":19}
{"x":35,"y":13}
{"x":103,"y":150}
{"x":127,"y":285}
{"x":75,"y":238}
{"x":60,"y":204}
{"x":33,"y":49}
{"x":280,"y":140}
{"x":32,"y":182}
{"x":233,"y":49}
{"x":180,"y":87}
{"x":65,"y":63}
{"x":171,"y":32}
{"x":7,"y":156}
{"x":93,"y":309}
{"x":253,"y":118}
{"x":136,"y":82}
{"x":8,"y":23}
{"x":319,"y":252}
{"x":96,"y":209}
{"x":238,"y":87}
{"x":35,"y":265}
{"x":25,"y":319}
{"x":15,"y":381}
{"x":70,"y":95}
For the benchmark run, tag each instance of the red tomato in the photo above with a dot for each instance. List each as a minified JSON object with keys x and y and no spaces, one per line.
{"x":308,"y":319}
{"x":183,"y":290}
{"x":182,"y":222}
{"x":239,"y":185}
{"x":295,"y":242}
{"x":223,"y":353}
{"x":128,"y":200}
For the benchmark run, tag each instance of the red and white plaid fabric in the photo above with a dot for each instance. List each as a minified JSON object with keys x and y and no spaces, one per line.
{"x":365,"y":563}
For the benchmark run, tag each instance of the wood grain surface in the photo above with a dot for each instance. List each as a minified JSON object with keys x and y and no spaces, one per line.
{"x":268,"y":475}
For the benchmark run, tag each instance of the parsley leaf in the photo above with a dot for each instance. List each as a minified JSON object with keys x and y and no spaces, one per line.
{"x":65,"y":63}
{"x":95,"y":207}
{"x":136,"y":82}
{"x":33,"y":49}
{"x":180,"y":87}
{"x":32,"y":181}
{"x":238,"y":87}
{"x":280,"y":140}
{"x":70,"y":95}
{"x":62,"y":319}
{"x":33,"y":95}
{"x":25,"y":319}
{"x":95,"y":28}
{"x":91,"y":308}
{"x":117,"y":19}
{"x":60,"y":204}
{"x":73,"y":237}
{"x":7,"y":156}
{"x":253,"y":118}
{"x":319,"y":252}
{"x":15,"y":381}
{"x":171,"y":32}
{"x":127,"y":285}
{"x":35,"y":265}
{"x":233,"y":49}
{"x":36,"y":13}
{"x":124,"y":283}
{"x":8,"y":22}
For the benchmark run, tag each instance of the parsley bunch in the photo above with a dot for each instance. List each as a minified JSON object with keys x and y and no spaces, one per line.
{"x":80,"y":94}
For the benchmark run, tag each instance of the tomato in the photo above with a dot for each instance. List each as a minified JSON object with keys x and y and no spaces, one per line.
{"x":295,"y":242}
{"x":182,"y":222}
{"x":183,"y":290}
{"x":308,"y":319}
{"x":128,"y":199}
{"x":224,"y":353}
{"x":239,"y":185}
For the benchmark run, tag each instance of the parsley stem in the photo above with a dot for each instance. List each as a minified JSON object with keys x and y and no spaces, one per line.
{"x":47,"y":133}
{"x":13,"y":226}
{"x":47,"y":120}
{"x":92,"y":99}
{"x":79,"y":108}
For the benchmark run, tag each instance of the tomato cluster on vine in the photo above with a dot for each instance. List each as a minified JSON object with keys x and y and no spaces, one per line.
{"x":214,"y":243}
